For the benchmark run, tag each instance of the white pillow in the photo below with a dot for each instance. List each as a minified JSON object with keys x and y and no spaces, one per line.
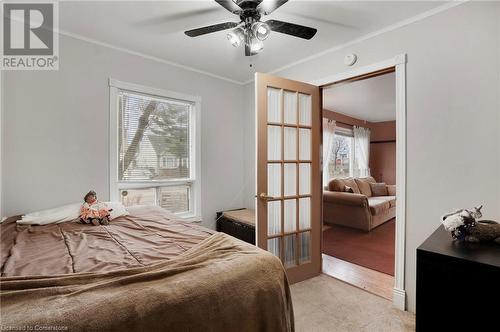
{"x":67,"y":213}
{"x":52,"y":216}
{"x":118,"y":210}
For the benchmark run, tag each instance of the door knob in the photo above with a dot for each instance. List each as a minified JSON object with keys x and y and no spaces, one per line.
{"x":265,"y":196}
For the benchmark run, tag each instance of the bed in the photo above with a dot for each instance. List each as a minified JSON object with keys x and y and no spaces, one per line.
{"x":146,"y":271}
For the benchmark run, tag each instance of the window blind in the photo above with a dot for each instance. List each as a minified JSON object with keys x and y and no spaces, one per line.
{"x":153,"y":130}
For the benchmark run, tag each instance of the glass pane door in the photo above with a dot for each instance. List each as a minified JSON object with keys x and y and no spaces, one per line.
{"x":288,"y":210}
{"x":289,"y":175}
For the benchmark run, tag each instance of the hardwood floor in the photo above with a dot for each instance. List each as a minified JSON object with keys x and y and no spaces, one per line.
{"x":375,"y":282}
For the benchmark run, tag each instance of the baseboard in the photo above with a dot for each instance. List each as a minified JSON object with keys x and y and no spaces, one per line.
{"x":399,"y":298}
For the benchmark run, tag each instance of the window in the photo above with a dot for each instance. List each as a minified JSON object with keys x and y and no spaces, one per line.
{"x":154,"y":148}
{"x":341,"y":164}
{"x":172,"y":162}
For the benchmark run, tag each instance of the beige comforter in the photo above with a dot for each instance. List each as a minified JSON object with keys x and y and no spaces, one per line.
{"x":172,"y":277}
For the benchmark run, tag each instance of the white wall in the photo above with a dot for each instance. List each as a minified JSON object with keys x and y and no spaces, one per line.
{"x":453,"y":122}
{"x":1,"y":140}
{"x":55,"y":128}
{"x":249,"y":134}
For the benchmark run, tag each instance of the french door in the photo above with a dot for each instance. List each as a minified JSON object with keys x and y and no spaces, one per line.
{"x":289,"y":173}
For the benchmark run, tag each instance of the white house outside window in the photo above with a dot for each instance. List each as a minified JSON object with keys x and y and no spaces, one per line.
{"x":173,"y":162}
{"x":154,"y":148}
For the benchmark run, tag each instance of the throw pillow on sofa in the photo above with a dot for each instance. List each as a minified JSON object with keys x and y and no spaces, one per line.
{"x":336,"y":185}
{"x":379,"y":189}
{"x":364,"y":186}
{"x":348,"y":189}
{"x":352,"y":183}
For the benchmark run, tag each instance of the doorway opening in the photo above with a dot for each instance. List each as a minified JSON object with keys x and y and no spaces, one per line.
{"x":359,"y":181}
{"x":289,"y":185}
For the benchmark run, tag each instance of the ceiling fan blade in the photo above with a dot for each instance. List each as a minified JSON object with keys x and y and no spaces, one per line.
{"x":292,"y":29}
{"x":210,"y":29}
{"x":169,"y":18}
{"x":266,"y":7}
{"x":229,"y":5}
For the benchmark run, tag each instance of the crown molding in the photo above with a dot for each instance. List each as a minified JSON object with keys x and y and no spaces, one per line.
{"x":370,"y":35}
{"x":139,"y":54}
{"x":146,"y":56}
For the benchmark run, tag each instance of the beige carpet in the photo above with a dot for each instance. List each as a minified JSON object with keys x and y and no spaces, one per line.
{"x":324,"y":303}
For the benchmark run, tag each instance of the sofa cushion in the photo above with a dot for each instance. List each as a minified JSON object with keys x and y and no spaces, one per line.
{"x":379,"y":205}
{"x":364,"y":187}
{"x":392,"y":201}
{"x":350,"y":182}
{"x":336,"y":185}
{"x":348,"y":189}
{"x":370,"y":179}
{"x":378,"y":189}
{"x":391,"y":190}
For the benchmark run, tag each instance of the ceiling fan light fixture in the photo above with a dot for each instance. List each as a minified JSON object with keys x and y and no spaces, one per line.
{"x":256,"y":45}
{"x":260,"y":30}
{"x":236,"y":36}
{"x":249,"y":30}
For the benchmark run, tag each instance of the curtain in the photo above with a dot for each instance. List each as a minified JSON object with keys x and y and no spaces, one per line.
{"x":361,"y":151}
{"x":328,"y":139}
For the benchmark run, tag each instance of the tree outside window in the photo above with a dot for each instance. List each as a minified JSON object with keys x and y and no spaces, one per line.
{"x":341,"y":162}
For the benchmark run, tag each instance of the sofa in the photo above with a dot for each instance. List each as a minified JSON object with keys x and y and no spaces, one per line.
{"x":359,"y":203}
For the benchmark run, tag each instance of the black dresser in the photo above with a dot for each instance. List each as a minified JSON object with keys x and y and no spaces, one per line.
{"x":458,"y":285}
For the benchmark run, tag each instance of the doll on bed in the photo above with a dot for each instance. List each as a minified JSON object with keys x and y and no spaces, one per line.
{"x":94,"y":212}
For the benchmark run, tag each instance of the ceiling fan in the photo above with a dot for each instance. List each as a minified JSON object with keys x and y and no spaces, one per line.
{"x":250,"y":30}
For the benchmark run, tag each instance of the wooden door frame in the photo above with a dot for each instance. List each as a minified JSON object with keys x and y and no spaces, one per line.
{"x":399,"y":64}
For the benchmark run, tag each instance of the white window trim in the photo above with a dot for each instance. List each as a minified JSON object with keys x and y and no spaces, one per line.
{"x":344,"y":131}
{"x":115,"y":87}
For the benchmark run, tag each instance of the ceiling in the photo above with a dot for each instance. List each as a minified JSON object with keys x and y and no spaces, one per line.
{"x":156,"y":29}
{"x":372,"y":99}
